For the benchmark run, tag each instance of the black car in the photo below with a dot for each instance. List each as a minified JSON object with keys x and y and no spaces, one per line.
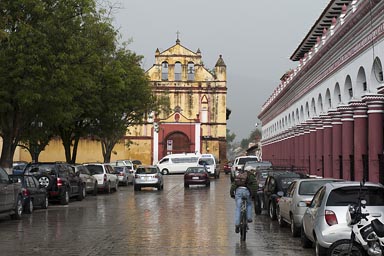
{"x":275,"y":186}
{"x":59,"y":179}
{"x":34,"y":195}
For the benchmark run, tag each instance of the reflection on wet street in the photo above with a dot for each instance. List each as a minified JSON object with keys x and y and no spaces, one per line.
{"x":175,"y":221}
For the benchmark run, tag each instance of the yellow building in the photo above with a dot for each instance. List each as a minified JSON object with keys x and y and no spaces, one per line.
{"x":196,"y":123}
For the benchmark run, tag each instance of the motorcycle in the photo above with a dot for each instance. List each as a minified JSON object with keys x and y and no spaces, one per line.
{"x":367,"y":233}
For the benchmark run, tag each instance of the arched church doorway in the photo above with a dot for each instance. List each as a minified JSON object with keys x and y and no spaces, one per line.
{"x":177,"y":142}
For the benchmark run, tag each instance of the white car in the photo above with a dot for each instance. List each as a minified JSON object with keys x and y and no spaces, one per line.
{"x":148,"y":176}
{"x":106,"y":177}
{"x":292,"y":206}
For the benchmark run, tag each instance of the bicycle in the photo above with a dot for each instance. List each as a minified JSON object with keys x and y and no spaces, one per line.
{"x":243,"y":219}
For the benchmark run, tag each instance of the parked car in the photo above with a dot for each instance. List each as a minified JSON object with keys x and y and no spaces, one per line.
{"x":59,"y":179}
{"x":276,"y":185}
{"x":148,"y":176}
{"x":105,"y":175}
{"x":238,"y":164}
{"x":124,"y":174}
{"x":291,"y":207}
{"x":325,"y":218}
{"x":258,"y":177}
{"x":89,"y":180}
{"x":227,"y":167}
{"x":11,"y":199}
{"x":34,"y":195}
{"x":196,"y":176}
{"x":18,"y":167}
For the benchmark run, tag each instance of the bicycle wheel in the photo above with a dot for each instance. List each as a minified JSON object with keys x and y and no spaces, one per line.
{"x":243,"y":222}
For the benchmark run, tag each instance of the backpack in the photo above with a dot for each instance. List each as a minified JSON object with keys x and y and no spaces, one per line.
{"x":241,"y":179}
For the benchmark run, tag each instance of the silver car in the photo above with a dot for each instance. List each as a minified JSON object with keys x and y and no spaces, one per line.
{"x":89,"y":181}
{"x":291,"y":207}
{"x":324,"y":221}
{"x":125,"y":174}
{"x":148,"y":176}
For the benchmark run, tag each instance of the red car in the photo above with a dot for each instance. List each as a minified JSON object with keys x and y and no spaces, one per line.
{"x":227,"y":167}
{"x":196,"y":176}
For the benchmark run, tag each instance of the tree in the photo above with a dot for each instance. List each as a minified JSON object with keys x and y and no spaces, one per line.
{"x":125,"y":96}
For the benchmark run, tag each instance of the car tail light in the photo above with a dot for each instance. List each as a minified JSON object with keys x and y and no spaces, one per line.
{"x":59,"y":182}
{"x":330,"y":217}
{"x":121,"y":174}
{"x":156,"y":176}
{"x":105,"y":178}
{"x":277,"y":199}
{"x":137,"y":176}
{"x":25,"y":192}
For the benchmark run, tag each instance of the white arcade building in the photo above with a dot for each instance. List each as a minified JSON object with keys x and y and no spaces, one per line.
{"x":326,"y":115}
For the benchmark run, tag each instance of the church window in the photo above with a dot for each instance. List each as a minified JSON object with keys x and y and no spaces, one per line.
{"x":204,"y":109}
{"x":191,"y":71}
{"x":177,"y":71}
{"x":164,"y":71}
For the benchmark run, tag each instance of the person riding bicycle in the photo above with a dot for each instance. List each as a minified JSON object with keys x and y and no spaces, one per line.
{"x":241,"y":186}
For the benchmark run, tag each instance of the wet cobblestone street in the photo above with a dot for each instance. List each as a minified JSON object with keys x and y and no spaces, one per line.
{"x":175,"y":221}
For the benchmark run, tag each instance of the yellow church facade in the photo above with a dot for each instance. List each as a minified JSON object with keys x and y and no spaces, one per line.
{"x":196,"y":121}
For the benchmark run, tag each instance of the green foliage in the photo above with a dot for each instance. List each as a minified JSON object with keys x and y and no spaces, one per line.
{"x":60,"y":66}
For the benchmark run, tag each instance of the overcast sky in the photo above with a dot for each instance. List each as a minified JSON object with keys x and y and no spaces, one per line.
{"x":255,"y":37}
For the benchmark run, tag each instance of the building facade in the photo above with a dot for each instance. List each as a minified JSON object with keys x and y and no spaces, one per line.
{"x":197,"y":96}
{"x":196,"y":122}
{"x":326,"y":115}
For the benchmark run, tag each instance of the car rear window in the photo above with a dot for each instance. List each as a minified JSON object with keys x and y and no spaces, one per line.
{"x":95,"y":169}
{"x":350,"y":195}
{"x":119,"y":168}
{"x":143,"y":170}
{"x":195,"y":170}
{"x":310,"y":187}
{"x":246,"y":159}
{"x":40,"y":169}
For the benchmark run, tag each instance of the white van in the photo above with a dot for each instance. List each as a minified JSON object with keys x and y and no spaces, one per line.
{"x":177,"y":163}
{"x":210,"y":163}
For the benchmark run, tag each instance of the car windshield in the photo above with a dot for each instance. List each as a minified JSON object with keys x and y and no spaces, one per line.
{"x":95,"y":169}
{"x":195,"y":170}
{"x":146,"y":170}
{"x":309,"y":187}
{"x":40,"y":169}
{"x":246,"y":159}
{"x":350,"y":195}
{"x":119,"y":168}
{"x":207,"y":161}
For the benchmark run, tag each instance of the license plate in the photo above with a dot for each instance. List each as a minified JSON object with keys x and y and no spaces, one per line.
{"x":195,"y":178}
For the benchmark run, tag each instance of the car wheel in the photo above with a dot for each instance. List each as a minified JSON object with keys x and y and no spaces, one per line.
{"x":18,"y":210}
{"x":272,"y":210}
{"x":280,"y":219}
{"x":208,"y":184}
{"x":257,"y":204}
{"x":108,"y":188}
{"x":295,"y":231}
{"x":64,"y":200}
{"x":116,"y":185}
{"x":95,"y":188}
{"x":305,"y":242}
{"x":45,"y":203}
{"x":45,"y":181}
{"x":29,"y":206}
{"x":82,"y":193}
{"x":319,"y":250}
{"x":165,"y":172}
{"x":341,"y":248}
{"x":186,"y":185}
{"x":136,"y":188}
